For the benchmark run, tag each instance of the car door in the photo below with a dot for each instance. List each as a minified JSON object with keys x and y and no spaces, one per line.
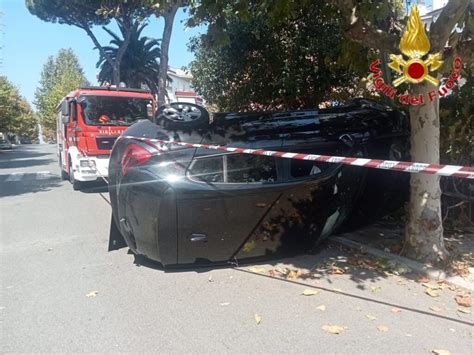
{"x":226,"y":196}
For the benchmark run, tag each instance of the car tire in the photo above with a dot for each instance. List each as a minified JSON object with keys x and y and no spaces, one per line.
{"x":76,"y":185}
{"x":182,"y":116}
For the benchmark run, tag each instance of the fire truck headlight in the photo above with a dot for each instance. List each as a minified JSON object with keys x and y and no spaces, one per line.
{"x":87,"y":164}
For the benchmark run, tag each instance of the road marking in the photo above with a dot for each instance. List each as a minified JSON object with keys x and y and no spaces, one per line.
{"x":43,"y":175}
{"x":15,"y":177}
{"x":39,"y":175}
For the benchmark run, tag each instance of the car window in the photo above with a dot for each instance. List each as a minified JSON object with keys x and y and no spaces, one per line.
{"x":209,"y":169}
{"x":304,"y":168}
{"x":243,"y":168}
{"x":234,"y":168}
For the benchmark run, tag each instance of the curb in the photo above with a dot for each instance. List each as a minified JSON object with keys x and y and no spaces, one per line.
{"x":430,"y":272}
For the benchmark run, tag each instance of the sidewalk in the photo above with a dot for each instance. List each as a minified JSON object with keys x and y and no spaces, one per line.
{"x":385,"y":240}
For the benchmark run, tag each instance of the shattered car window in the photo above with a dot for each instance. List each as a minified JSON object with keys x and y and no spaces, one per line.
{"x":250,"y":168}
{"x":209,"y":170}
{"x":301,"y":168}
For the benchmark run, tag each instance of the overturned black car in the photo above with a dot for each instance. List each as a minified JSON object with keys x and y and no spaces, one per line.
{"x":180,"y":205}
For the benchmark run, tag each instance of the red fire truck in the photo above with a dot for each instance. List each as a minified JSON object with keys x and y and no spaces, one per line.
{"x":89,"y":120}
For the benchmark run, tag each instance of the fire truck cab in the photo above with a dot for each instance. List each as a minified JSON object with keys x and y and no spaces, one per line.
{"x":89,"y":120}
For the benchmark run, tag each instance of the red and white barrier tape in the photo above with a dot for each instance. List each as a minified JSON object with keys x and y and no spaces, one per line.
{"x":465,"y":172}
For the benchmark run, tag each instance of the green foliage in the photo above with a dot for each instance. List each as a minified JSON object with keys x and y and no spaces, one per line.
{"x":289,"y":64}
{"x":16,"y":115}
{"x":86,"y":13}
{"x":139,"y":65}
{"x":60,"y":75}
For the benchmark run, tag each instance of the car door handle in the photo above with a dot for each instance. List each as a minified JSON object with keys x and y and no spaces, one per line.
{"x":198,"y":238}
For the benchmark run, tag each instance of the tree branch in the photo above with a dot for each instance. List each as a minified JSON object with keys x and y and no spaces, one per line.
{"x":97,"y":44}
{"x":362,"y":31}
{"x":440,"y":30}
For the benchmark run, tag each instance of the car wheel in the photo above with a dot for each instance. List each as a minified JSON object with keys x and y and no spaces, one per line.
{"x":76,"y":185}
{"x":182,"y":115}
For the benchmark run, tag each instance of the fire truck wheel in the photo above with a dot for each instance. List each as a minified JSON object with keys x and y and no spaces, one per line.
{"x":76,"y":185}
{"x":64,"y":175}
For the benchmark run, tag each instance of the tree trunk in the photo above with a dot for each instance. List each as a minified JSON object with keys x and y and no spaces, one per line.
{"x":424,"y":230}
{"x":165,"y":44}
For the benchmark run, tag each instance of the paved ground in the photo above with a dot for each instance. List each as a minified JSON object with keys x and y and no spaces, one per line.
{"x":54,"y":253}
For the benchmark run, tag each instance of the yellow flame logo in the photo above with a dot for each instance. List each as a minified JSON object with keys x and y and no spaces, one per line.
{"x":415,"y":44}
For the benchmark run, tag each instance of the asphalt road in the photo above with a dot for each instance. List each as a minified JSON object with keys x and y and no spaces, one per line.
{"x":54,"y":254}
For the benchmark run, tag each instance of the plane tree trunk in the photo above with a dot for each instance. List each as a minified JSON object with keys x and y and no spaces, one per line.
{"x":424,"y":230}
{"x":165,"y":44}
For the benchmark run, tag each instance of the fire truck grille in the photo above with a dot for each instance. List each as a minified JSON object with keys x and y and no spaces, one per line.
{"x":105,"y":143}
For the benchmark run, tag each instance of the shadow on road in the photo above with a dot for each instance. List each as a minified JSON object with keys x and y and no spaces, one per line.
{"x":27,"y":184}
{"x":95,"y":187}
{"x":24,"y":163}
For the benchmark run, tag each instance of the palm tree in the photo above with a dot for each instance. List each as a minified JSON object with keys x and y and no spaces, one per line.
{"x":139,"y":64}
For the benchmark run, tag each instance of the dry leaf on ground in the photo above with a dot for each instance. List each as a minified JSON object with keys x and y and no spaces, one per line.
{"x":92,"y":294}
{"x":321,"y":308}
{"x":429,"y":285}
{"x":436,"y":308}
{"x":375,"y":289}
{"x":423,"y":279}
{"x":333,"y":329}
{"x":464,"y":310}
{"x":257,"y":270}
{"x":371,"y":317}
{"x":440,"y":352}
{"x":310,"y":292}
{"x":382,"y":328}
{"x":463,"y":300}
{"x":431,"y":292}
{"x":396,"y":310}
{"x":294,"y":274}
{"x":258,"y":318}
{"x":337,"y":270}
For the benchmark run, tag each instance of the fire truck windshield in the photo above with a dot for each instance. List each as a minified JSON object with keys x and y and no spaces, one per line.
{"x":114,"y":110}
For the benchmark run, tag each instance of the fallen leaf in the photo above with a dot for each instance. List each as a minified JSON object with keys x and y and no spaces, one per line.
{"x":436,"y":308}
{"x":371,"y":317}
{"x":464,"y":310}
{"x":271,"y":273}
{"x":408,"y":335}
{"x":431,"y":292}
{"x":463,"y":300}
{"x":375,"y":289}
{"x":423,"y":279}
{"x":337,"y":270}
{"x":225,"y":303}
{"x":322,"y":308}
{"x":257,"y":318}
{"x":429,"y":285}
{"x":310,"y":292}
{"x":333,"y":329}
{"x":281,"y":270}
{"x":257,"y":270}
{"x":396,"y":310}
{"x":382,"y":328}
{"x":440,"y":352}
{"x":92,"y":294}
{"x":294,"y":274}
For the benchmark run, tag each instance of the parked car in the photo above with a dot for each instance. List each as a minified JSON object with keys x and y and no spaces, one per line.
{"x":5,"y":144}
{"x":180,"y":205}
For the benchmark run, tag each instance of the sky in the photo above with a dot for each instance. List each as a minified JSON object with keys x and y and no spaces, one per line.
{"x":28,"y":41}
